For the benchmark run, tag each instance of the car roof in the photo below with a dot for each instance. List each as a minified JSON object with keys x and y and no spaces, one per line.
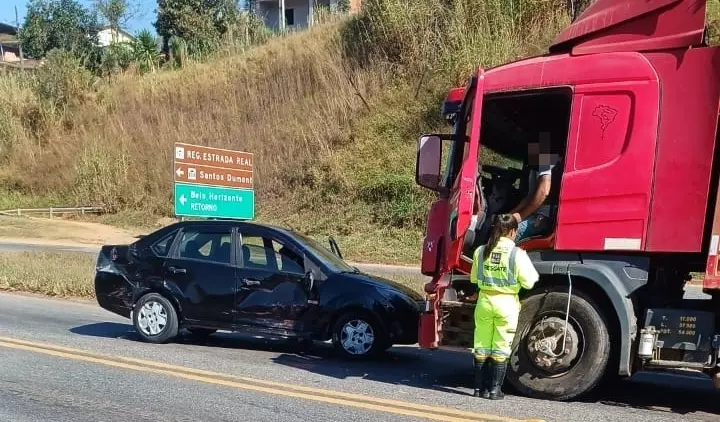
{"x":239,"y":223}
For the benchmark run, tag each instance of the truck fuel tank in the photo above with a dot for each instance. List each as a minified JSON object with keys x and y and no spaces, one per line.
{"x":681,"y":334}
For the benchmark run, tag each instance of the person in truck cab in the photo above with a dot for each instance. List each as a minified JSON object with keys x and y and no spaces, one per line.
{"x":535,"y":214}
{"x":499,"y":269}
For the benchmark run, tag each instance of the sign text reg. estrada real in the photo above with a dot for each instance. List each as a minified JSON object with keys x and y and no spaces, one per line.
{"x":213,"y":182}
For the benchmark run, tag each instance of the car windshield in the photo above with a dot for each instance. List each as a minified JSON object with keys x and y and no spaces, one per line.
{"x":324,"y":254}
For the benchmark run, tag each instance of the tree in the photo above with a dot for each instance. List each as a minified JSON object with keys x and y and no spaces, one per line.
{"x":200,"y":23}
{"x":60,"y":24}
{"x":145,"y":51}
{"x":116,"y":12}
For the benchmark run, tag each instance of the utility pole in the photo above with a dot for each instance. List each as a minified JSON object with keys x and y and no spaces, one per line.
{"x":281,"y":17}
{"x":311,"y":13}
{"x":17,"y":25}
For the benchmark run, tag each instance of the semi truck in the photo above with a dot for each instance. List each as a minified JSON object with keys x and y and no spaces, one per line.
{"x":628,"y":97}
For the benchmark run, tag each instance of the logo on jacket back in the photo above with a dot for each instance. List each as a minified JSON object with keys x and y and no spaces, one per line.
{"x":495,"y":258}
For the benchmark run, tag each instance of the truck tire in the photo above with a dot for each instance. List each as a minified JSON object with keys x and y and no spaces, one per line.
{"x":534,"y":372}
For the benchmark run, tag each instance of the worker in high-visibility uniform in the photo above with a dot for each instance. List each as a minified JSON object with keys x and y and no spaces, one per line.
{"x":499,"y":269}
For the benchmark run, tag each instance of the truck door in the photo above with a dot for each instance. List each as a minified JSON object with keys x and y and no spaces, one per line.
{"x":463,"y":193}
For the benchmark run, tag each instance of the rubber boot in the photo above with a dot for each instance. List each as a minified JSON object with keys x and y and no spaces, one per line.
{"x":482,"y":380}
{"x":498,"y":377}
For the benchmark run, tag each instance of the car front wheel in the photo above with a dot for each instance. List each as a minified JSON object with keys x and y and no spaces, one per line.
{"x":356,"y":335}
{"x":155,"y":318}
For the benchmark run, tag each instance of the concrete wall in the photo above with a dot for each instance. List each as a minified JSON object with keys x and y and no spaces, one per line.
{"x":355,"y":6}
{"x":300,"y":9}
{"x":268,"y":11}
{"x":105,"y":37}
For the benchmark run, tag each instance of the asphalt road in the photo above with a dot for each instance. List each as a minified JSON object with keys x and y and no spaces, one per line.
{"x":38,"y":381}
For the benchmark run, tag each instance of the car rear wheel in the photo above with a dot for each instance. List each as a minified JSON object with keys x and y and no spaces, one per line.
{"x":357,"y":335}
{"x":155,"y":318}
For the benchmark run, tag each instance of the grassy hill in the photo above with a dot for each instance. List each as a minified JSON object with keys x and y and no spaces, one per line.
{"x":331,"y":115}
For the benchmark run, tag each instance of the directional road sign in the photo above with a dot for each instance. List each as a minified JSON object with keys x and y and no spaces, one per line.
{"x":213,"y":182}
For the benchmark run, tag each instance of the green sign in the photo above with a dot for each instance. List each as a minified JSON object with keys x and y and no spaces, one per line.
{"x":214,"y":202}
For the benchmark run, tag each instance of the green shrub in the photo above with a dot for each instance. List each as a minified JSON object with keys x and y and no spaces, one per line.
{"x":62,"y":81}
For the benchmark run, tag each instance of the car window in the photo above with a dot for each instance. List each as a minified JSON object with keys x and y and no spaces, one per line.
{"x":205,"y":245}
{"x":323,"y":253}
{"x":268,"y":254}
{"x":161,"y":248}
{"x":287,"y":259}
{"x":254,"y":253}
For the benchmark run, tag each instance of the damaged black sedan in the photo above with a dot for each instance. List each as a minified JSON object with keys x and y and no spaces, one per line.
{"x":245,"y":277}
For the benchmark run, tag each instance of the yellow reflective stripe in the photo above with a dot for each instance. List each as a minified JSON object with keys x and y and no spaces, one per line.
{"x":479,"y":276}
{"x":511,"y":265}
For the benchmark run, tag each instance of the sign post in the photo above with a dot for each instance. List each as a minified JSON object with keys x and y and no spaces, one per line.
{"x":213,"y":182}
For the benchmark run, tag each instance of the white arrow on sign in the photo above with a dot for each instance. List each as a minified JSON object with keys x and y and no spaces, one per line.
{"x":179,"y":172}
{"x":183,"y":199}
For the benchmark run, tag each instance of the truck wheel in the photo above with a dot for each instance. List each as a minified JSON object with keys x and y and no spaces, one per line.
{"x":155,"y":318}
{"x":539,"y":367}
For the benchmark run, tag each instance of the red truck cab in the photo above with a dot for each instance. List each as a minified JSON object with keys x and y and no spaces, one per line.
{"x":628,"y":96}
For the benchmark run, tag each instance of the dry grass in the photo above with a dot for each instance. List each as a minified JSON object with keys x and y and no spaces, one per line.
{"x":415,"y":282}
{"x":52,"y":274}
{"x":62,"y":231}
{"x":288,"y":102}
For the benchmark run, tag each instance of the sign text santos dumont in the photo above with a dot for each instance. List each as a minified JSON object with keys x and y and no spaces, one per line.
{"x":213,"y":182}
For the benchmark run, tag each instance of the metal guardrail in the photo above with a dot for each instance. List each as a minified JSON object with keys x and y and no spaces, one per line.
{"x":51,"y":211}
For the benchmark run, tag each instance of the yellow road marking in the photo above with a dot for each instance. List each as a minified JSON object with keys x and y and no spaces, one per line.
{"x":252,"y":384}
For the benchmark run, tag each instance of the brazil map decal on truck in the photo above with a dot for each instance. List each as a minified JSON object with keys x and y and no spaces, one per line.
{"x":628,"y":97}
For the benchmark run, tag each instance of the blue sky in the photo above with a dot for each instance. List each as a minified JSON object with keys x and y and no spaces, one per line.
{"x":144,"y":19}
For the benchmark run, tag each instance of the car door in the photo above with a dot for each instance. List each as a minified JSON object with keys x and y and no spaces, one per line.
{"x":201,"y":271}
{"x":272,"y":292}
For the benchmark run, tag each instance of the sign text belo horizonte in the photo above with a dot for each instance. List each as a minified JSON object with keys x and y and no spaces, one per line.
{"x":213,"y":182}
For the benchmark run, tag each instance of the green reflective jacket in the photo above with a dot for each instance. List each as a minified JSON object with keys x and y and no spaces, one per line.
{"x":507,"y":269}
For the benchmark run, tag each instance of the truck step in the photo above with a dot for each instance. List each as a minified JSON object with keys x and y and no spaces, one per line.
{"x":675,"y":364}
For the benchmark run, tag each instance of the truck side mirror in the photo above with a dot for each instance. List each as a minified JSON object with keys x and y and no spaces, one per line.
{"x":429,"y":156}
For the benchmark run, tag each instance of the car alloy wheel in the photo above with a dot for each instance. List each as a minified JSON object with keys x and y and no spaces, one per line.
{"x":155,"y":318}
{"x":357,"y":337}
{"x":152,"y":318}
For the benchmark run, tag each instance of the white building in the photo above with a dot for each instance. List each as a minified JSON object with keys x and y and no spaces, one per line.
{"x":107,"y":35}
{"x":294,"y":14}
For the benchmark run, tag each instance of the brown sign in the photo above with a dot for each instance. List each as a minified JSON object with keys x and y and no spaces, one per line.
{"x":213,"y":157}
{"x":213,"y":176}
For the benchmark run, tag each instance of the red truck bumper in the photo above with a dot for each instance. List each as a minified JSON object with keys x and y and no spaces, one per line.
{"x":428,"y":335}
